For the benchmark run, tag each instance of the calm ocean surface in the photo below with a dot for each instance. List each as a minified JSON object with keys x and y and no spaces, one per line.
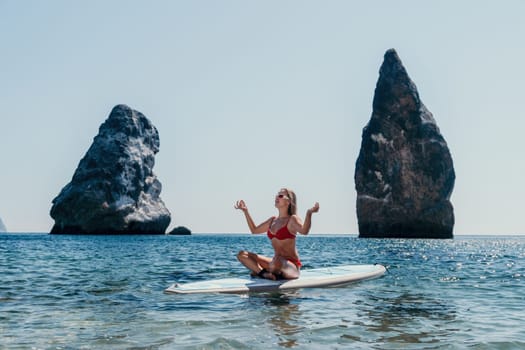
{"x":106,"y":292}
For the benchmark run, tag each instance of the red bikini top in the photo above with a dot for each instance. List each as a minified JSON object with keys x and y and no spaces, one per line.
{"x":282,"y":233}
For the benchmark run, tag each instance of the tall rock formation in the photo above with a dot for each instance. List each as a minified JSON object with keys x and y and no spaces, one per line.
{"x":2,"y":226}
{"x":404,"y":174}
{"x":114,"y":190}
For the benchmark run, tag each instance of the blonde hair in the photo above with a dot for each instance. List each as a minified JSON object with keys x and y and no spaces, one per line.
{"x":292,"y":207}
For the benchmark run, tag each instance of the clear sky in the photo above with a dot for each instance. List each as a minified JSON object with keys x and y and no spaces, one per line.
{"x":251,"y":96}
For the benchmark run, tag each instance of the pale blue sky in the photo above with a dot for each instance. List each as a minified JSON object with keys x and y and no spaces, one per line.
{"x":250,"y":96}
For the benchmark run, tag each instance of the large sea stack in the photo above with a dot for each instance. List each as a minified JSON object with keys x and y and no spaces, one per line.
{"x":404,"y":174}
{"x":114,"y":190}
{"x":2,"y":226}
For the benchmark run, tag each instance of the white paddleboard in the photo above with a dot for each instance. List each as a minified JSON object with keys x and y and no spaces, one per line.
{"x":321,"y":277}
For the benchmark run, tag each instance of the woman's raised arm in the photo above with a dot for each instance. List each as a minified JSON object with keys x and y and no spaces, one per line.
{"x":263,"y":227}
{"x":301,"y":227}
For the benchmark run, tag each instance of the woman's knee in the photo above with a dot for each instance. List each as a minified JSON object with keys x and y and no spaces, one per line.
{"x":242,"y":255}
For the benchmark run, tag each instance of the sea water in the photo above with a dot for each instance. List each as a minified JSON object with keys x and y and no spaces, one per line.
{"x":106,"y":292}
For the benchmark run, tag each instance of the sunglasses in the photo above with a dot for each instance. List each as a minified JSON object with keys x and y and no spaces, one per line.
{"x":282,"y":196}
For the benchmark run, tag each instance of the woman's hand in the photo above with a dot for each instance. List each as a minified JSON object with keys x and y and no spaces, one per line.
{"x":241,"y":205}
{"x":315,"y":208}
{"x":253,"y":229}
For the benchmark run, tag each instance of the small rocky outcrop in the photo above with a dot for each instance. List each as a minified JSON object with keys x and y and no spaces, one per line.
{"x":2,"y":226}
{"x":180,"y":231}
{"x":114,"y":189}
{"x":404,"y":174}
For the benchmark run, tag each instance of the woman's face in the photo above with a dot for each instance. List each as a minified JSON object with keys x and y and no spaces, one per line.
{"x":282,"y":199}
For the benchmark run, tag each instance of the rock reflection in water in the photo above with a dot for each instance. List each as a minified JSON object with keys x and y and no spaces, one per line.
{"x":393,"y":315}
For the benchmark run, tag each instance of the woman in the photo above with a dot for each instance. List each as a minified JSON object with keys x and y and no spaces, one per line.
{"x":282,"y":231}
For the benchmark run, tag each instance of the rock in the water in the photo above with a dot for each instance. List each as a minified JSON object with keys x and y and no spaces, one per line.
{"x":114,"y":190}
{"x":2,"y":226}
{"x":180,"y":231}
{"x":404,"y":174}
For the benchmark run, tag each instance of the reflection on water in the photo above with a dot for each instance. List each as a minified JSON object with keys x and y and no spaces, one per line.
{"x":281,"y":311}
{"x":391,"y":316}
